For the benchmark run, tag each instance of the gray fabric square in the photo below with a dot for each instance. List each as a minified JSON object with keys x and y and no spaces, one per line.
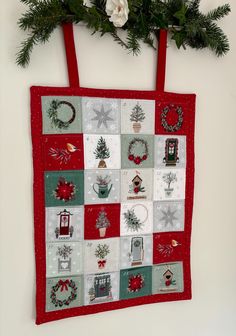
{"x":101,"y":115}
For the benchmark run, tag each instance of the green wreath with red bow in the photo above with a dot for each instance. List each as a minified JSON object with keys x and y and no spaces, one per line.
{"x":63,"y":286}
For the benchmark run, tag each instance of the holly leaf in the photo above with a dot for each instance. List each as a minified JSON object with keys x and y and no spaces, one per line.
{"x":179,"y":37}
{"x":181,"y":14}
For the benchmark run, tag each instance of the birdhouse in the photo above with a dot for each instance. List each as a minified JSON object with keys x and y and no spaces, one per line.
{"x":137,"y":181}
{"x":171,"y":152}
{"x":168,"y":276}
{"x":64,"y":222}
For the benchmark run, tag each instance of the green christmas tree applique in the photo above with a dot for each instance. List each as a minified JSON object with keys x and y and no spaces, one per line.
{"x":102,"y":152}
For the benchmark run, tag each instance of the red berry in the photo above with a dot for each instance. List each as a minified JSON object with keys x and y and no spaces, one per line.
{"x":144,"y":157}
{"x":131,"y":157}
{"x":136,"y":190}
{"x":137,"y":160}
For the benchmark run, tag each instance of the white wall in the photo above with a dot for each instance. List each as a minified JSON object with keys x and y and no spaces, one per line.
{"x":103,"y":64}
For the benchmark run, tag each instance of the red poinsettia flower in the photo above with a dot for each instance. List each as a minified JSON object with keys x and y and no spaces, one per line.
{"x":136,"y":190}
{"x":65,"y":191}
{"x":136,"y":282}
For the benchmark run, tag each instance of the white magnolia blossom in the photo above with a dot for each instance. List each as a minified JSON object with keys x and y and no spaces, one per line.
{"x":118,"y":11}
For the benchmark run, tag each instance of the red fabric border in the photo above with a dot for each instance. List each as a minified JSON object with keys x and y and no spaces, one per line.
{"x":188,"y":100}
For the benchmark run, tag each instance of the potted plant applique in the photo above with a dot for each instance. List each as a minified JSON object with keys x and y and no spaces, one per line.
{"x":101,"y":252}
{"x":91,"y":294}
{"x":64,"y":260}
{"x":137,"y":116}
{"x":102,"y":223}
{"x":169,"y":178}
{"x":103,"y":186}
{"x":102,"y":152}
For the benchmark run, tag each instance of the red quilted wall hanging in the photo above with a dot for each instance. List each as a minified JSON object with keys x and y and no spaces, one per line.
{"x":113,"y":194}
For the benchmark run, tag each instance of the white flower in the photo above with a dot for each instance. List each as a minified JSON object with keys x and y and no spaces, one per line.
{"x":118,"y":11}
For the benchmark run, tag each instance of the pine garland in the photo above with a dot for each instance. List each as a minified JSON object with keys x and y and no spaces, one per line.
{"x":186,"y":24}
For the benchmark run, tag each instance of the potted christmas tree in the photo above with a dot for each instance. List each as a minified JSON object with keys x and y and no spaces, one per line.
{"x":102,"y":152}
{"x":169,"y":178}
{"x":102,"y":223}
{"x":101,"y":252}
{"x":137,"y":116}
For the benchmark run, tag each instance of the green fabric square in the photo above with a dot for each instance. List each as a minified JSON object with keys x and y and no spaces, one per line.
{"x":61,"y":115}
{"x":64,"y":188}
{"x":137,"y":151}
{"x":135,"y":282}
{"x":64,"y":293}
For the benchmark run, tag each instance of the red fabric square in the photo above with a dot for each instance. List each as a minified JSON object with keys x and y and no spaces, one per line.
{"x":168,"y":246}
{"x":63,"y":152}
{"x":175,"y":117}
{"x":101,"y":221}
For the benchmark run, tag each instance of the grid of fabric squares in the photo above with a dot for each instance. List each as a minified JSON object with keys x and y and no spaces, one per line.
{"x":113,"y":199}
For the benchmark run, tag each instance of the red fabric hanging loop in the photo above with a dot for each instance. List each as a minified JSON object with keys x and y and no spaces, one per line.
{"x":161,"y":61}
{"x":72,"y":65}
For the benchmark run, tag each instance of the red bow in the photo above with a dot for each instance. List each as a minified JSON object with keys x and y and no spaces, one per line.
{"x":101,"y":263}
{"x":63,"y":285}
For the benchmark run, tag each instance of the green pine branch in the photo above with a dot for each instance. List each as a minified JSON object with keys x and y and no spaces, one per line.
{"x":187,"y":25}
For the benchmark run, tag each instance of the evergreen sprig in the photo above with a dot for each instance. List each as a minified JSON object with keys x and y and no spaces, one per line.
{"x":187,"y":25}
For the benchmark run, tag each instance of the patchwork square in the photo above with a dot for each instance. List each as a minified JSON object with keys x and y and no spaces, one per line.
{"x":168,"y":216}
{"x":64,"y":293}
{"x":137,"y":116}
{"x":65,"y":224}
{"x":136,"y":251}
{"x":170,"y":151}
{"x":65,"y":187}
{"x":102,"y":221}
{"x":61,"y":114}
{"x":167,"y":278}
{"x":168,"y":247}
{"x":102,"y":186}
{"x":101,"y":288}
{"x":102,"y":151}
{"x":101,"y":115}
{"x":136,"y":218}
{"x":64,"y":259}
{"x":169,"y":184}
{"x":136,"y":184}
{"x":63,"y":153}
{"x":135,"y":282}
{"x":137,"y":151}
{"x":101,"y":255}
